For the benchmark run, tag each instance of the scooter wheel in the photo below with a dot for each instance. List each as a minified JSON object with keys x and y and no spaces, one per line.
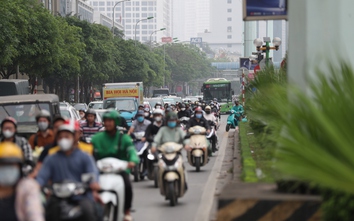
{"x":227,"y":127}
{"x":172,"y":194}
{"x":197,"y":164}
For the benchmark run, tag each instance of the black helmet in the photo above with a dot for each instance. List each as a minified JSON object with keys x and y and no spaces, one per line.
{"x":171,"y":116}
{"x":44,"y":114}
{"x":90,"y":111}
{"x":183,"y":106}
{"x":158,"y":104}
{"x":140,"y":113}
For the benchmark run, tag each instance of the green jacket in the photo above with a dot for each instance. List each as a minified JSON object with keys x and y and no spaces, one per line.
{"x":107,"y":146}
{"x":167,"y":134}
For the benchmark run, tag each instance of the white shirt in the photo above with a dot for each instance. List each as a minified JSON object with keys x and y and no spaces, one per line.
{"x":210,"y":117}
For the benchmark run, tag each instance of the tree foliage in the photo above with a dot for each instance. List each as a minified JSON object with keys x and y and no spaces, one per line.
{"x":63,"y":50}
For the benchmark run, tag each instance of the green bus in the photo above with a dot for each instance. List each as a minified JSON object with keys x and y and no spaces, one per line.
{"x":219,"y":88}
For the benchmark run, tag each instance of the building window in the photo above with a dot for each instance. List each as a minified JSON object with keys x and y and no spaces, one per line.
{"x":95,"y":3}
{"x":127,"y":3}
{"x":151,"y":26}
{"x":144,"y":26}
{"x":128,"y":15}
{"x":137,"y":3}
{"x":144,"y":3}
{"x":229,"y":36}
{"x":229,"y":1}
{"x":144,"y":32}
{"x":101,"y":4}
{"x":229,"y":45}
{"x":229,"y":10}
{"x":109,"y":8}
{"x":137,"y":15}
{"x":128,"y":8}
{"x":144,"y":9}
{"x":229,"y":19}
{"x":109,"y":4}
{"x":145,"y":39}
{"x":229,"y":29}
{"x":128,"y":26}
{"x":151,"y":3}
{"x":128,"y":32}
{"x":128,"y":21}
{"x":109,"y":14}
{"x":144,"y":15}
{"x":150,"y":9}
{"x":102,"y":9}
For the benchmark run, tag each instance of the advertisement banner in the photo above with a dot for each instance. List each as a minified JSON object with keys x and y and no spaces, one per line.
{"x":246,"y":63}
{"x":264,"y":10}
{"x":126,"y":92}
{"x":166,"y":39}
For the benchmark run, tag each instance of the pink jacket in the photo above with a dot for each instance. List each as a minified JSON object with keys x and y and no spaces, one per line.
{"x":28,"y":201}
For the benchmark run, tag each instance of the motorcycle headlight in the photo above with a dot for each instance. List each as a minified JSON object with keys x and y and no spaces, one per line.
{"x":150,"y":157}
{"x":64,"y":190}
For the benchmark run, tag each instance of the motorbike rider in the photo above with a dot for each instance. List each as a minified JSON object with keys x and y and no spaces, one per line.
{"x":20,"y":198}
{"x":183,"y":112}
{"x":147,"y":113}
{"x":57,"y":122}
{"x":199,"y":120}
{"x":209,"y":116}
{"x":158,"y":105}
{"x":90,"y":127}
{"x":8,"y":134}
{"x":82,"y":116}
{"x":45,"y":135}
{"x":111,"y":143}
{"x":238,"y":108}
{"x":70,"y":163}
{"x":170,"y":133}
{"x":140,"y":125}
{"x":153,"y":128}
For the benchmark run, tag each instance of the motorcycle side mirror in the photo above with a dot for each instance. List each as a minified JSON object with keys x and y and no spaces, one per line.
{"x":87,"y":177}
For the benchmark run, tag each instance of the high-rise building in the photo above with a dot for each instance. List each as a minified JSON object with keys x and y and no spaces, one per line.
{"x":129,"y":13}
{"x":190,"y":18}
{"x":226,"y":26}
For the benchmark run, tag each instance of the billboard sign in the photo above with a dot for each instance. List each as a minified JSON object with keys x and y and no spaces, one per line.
{"x":264,"y":9}
{"x":166,"y":39}
{"x":198,"y":40}
{"x":246,"y":63}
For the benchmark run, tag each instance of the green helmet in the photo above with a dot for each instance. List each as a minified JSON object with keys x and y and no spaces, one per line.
{"x":111,"y":114}
{"x":171,"y":116}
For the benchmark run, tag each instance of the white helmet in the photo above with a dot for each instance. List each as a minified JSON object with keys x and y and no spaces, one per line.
{"x":158,"y":111}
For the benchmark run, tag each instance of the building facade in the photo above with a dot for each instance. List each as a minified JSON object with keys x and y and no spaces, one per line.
{"x":129,"y":13}
{"x":226,"y":27}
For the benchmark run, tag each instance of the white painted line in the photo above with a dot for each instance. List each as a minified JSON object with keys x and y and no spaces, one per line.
{"x":207,"y":200}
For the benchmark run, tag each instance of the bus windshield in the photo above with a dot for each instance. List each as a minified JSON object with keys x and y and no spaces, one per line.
{"x":221,"y":91}
{"x":121,"y":105}
{"x":23,"y":113}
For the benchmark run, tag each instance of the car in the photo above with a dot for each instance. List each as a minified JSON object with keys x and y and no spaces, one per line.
{"x":96,"y":105}
{"x":79,"y":106}
{"x":64,"y":104}
{"x":100,"y":113}
{"x":191,"y":98}
{"x":154,"y":100}
{"x":69,"y":113}
{"x":172,"y":99}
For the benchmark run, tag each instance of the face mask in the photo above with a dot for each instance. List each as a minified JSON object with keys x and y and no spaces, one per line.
{"x":8,"y":134}
{"x":140,"y":119}
{"x":65,"y":144}
{"x":158,"y":107}
{"x":146,"y":114}
{"x":42,"y":126}
{"x":208,"y":112}
{"x":171,"y":124}
{"x":183,"y":109}
{"x":158,"y":119}
{"x":9,"y":175}
{"x":82,"y":115}
{"x":198,"y":116}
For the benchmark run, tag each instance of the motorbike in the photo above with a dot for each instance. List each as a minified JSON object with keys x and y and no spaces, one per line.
{"x":232,"y":122}
{"x":198,"y":155}
{"x":112,"y":187}
{"x":212,"y":136}
{"x":63,"y":192}
{"x":140,"y":146}
{"x":172,"y":177}
{"x":184,"y":121}
{"x":152,"y":167}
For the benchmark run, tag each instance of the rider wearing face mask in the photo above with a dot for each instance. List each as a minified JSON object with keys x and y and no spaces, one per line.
{"x":183,"y":112}
{"x":169,"y":133}
{"x":147,"y":114}
{"x":45,"y":135}
{"x":198,"y":120}
{"x":8,"y":134}
{"x":139,"y":124}
{"x":20,"y":199}
{"x":70,"y":163}
{"x":82,"y":116}
{"x":153,"y":128}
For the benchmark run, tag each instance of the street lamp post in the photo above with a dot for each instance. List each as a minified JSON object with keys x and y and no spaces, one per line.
{"x":114,"y":7}
{"x":148,"y":18}
{"x":266,"y":48}
{"x":162,"y":29}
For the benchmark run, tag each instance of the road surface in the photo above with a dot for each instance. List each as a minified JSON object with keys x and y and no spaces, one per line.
{"x":196,"y":204}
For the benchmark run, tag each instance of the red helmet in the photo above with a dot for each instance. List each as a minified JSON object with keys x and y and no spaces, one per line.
{"x":198,"y":109}
{"x":70,"y":125}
